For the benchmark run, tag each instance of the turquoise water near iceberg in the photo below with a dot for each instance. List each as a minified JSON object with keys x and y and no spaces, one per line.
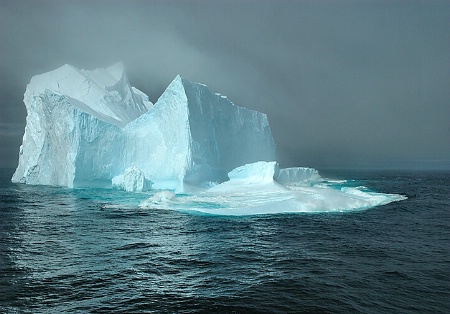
{"x":98,"y":251}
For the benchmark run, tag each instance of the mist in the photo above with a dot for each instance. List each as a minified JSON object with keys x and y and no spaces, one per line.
{"x":345,"y":84}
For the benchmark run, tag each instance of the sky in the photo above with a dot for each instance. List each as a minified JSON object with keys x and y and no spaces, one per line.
{"x":345,"y":84}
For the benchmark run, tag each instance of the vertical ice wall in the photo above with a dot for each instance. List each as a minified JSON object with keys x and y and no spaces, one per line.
{"x":223,"y":135}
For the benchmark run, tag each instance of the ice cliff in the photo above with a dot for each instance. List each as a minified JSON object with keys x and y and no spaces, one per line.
{"x":85,"y":128}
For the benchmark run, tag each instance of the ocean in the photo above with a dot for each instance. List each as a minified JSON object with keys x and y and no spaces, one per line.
{"x":96,"y":251}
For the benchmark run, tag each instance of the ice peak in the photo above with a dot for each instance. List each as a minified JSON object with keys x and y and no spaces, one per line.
{"x":186,"y":82}
{"x":117,"y":70}
{"x":66,"y":67}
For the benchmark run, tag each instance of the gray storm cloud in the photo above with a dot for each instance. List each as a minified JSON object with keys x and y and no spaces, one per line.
{"x":344,"y":83}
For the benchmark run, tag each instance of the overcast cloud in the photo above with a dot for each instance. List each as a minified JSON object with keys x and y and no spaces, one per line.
{"x":344,"y":83}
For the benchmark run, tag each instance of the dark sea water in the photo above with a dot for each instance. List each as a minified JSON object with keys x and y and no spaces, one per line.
{"x":71,"y":251}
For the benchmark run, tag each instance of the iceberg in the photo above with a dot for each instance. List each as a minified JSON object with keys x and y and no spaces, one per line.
{"x":85,"y":128}
{"x":193,"y":150}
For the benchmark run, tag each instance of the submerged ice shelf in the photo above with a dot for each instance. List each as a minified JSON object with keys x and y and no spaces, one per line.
{"x":253,"y":189}
{"x":93,"y":129}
